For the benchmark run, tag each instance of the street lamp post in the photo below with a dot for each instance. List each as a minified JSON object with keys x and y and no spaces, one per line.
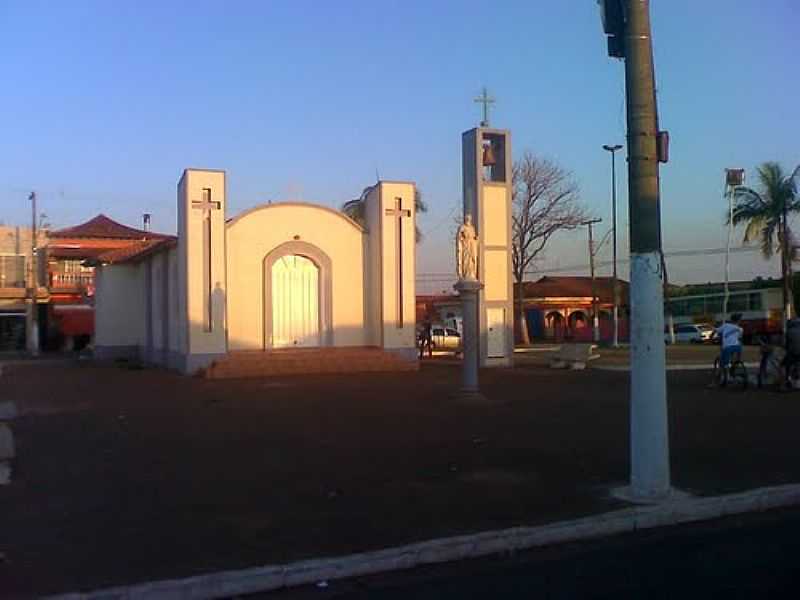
{"x":613,"y":150}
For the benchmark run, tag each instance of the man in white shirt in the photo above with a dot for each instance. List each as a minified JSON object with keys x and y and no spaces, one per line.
{"x":730,"y":335}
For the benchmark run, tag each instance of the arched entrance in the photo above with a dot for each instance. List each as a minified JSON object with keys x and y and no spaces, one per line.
{"x":295,"y":302}
{"x":297,"y":297}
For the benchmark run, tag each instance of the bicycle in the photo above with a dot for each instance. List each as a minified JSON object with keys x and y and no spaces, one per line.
{"x":735,"y":373}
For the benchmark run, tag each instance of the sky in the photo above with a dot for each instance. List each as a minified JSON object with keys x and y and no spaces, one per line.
{"x":105,"y":103}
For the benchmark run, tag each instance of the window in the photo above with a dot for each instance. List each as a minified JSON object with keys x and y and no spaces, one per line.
{"x":12,"y":271}
{"x":755,"y":301}
{"x":714,"y":304}
{"x":695,"y":306}
{"x":738,"y":302}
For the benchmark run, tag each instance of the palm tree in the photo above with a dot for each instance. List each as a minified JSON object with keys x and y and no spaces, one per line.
{"x":766,"y":213}
{"x":355,"y":208}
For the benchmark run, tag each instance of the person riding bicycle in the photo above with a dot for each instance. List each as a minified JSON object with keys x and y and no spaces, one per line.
{"x":792,"y":357}
{"x":730,"y":335}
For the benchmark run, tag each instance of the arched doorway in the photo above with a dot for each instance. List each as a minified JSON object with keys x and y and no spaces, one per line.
{"x":554,"y":326}
{"x":297,"y":297}
{"x":295,"y":302}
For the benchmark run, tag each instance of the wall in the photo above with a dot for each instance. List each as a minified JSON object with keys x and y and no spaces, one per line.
{"x":255,"y":233}
{"x":119,"y":311}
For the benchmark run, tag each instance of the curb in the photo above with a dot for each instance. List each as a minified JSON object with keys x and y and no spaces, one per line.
{"x":268,"y":578}
{"x":678,"y":367}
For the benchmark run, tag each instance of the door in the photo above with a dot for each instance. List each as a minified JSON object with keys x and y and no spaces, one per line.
{"x":496,"y":326}
{"x":295,"y":302}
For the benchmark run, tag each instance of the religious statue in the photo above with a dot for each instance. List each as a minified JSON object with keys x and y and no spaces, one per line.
{"x":467,"y":250}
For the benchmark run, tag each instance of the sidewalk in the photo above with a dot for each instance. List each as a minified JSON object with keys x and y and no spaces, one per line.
{"x":126,"y":476}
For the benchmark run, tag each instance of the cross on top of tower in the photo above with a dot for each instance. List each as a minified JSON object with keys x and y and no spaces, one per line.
{"x":487,"y":101}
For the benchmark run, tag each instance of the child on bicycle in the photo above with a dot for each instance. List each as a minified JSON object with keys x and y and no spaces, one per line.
{"x":730,"y":335}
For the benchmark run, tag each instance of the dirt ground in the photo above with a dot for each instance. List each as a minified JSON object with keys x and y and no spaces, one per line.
{"x":128,"y":475}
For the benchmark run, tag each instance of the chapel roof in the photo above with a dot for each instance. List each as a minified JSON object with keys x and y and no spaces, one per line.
{"x":103,"y":227}
{"x":573,"y":287}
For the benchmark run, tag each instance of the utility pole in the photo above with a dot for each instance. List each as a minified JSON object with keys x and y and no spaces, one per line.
{"x":33,"y":321}
{"x":613,"y":150}
{"x":627,"y":23}
{"x":595,"y":318}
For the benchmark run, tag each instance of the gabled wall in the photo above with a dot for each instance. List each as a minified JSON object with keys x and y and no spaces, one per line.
{"x":257,"y":233}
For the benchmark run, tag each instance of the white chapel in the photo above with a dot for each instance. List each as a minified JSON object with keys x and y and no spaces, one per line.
{"x":278,"y":276}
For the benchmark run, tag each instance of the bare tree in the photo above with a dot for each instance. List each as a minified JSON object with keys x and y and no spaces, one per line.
{"x":545,"y":199}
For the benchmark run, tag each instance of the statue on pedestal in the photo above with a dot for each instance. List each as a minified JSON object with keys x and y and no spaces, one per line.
{"x":467,"y":250}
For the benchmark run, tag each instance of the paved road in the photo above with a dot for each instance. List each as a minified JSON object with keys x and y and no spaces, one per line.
{"x":753,"y":556}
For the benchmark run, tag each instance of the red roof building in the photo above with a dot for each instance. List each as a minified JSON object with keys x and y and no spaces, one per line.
{"x":556,"y":308}
{"x":559,"y":308}
{"x":72,"y":253}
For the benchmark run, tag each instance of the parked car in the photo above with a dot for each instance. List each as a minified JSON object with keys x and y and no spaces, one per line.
{"x":690,"y":333}
{"x":445,"y":338}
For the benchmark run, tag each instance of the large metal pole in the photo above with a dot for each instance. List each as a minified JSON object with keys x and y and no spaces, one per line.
{"x":650,"y":469}
{"x":33,"y":329}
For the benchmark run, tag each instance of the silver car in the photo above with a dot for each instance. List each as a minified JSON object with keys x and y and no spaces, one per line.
{"x":445,"y":338}
{"x":690,"y":333}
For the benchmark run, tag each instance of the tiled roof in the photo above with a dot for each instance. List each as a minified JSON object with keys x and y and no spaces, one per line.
{"x":71,"y":252}
{"x":135,"y":252}
{"x":103,"y":227}
{"x":573,"y":287}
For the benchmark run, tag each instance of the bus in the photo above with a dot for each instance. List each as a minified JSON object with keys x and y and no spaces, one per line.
{"x":761,"y":310}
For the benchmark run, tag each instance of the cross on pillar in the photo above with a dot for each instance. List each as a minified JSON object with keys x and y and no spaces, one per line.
{"x":207,"y":205}
{"x":487,"y":101}
{"x":399,"y":212}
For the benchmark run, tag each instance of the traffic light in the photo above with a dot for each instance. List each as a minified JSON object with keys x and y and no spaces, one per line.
{"x":612,"y":15}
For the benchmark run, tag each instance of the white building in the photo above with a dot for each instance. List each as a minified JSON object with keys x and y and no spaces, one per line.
{"x":276,"y":277}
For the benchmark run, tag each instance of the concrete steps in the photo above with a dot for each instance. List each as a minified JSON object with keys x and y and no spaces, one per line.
{"x":305,"y":361}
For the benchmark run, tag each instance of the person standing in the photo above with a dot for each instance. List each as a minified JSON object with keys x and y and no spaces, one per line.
{"x":427,"y":339}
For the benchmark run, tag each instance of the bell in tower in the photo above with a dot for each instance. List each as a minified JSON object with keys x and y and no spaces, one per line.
{"x":488,"y":154}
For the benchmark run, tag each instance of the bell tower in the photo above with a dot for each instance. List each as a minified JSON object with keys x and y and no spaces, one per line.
{"x":486,"y":172}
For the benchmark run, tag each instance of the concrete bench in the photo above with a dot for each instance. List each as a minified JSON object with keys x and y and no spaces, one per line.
{"x":573,"y":356}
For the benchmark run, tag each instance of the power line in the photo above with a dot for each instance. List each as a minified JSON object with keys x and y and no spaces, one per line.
{"x":431,"y":277}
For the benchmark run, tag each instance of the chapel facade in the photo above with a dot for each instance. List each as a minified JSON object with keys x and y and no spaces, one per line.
{"x":279,"y":277}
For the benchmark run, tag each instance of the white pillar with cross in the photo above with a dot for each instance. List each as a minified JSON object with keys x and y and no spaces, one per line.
{"x":202,"y":266}
{"x":390,"y":264}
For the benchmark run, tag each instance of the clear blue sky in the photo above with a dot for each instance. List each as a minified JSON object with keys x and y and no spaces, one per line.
{"x":104,"y":104}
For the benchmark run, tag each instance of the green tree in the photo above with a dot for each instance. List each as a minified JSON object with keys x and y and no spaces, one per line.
{"x":355,"y":208}
{"x":765,"y":213}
